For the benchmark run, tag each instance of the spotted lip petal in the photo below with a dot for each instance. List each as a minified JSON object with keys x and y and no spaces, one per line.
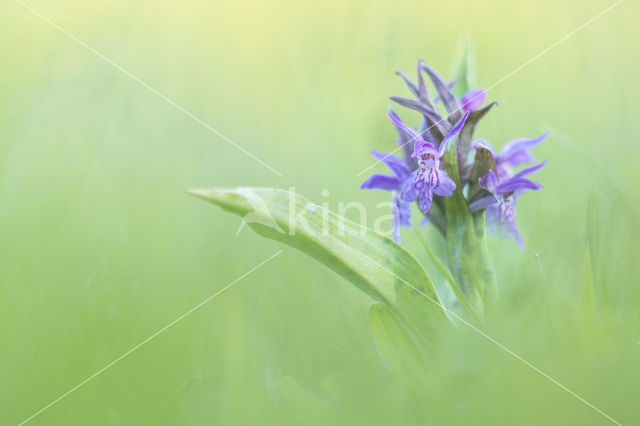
{"x":425,"y":200}
{"x":445,"y":186}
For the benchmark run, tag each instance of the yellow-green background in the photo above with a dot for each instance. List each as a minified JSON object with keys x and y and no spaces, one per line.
{"x":100,"y":247}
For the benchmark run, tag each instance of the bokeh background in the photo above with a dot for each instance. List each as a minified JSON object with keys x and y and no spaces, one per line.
{"x":100,"y":246}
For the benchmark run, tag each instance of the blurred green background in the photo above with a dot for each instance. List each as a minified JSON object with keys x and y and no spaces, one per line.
{"x":100,"y":247}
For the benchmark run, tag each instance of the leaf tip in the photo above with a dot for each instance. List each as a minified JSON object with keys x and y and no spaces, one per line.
{"x":200,"y":193}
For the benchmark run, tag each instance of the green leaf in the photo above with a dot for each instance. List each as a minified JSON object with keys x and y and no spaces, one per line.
{"x":466,"y":245}
{"x":465,"y":71}
{"x":395,"y":345}
{"x":372,"y":262}
{"x":466,"y":134}
{"x":446,"y":275}
{"x":482,"y":163}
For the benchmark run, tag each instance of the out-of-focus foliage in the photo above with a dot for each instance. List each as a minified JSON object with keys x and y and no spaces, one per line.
{"x":100,"y":247}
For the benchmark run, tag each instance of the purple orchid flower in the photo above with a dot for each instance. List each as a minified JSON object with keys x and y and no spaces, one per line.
{"x":428,"y":178}
{"x":400,"y":209}
{"x":473,"y":99}
{"x":513,"y":154}
{"x":500,"y":205}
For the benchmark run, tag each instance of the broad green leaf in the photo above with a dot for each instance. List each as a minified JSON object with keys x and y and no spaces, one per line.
{"x":374,"y":263}
{"x":395,"y":345}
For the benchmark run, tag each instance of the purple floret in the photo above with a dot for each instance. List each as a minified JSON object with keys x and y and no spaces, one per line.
{"x":500,"y":205}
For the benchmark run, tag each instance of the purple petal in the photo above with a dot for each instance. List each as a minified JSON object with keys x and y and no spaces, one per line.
{"x":396,"y":164}
{"x":446,"y":185}
{"x":494,"y":222}
{"x":482,"y":203}
{"x":450,"y":85}
{"x":522,"y":144}
{"x":530,"y":170}
{"x":516,"y":159}
{"x":518,"y":237}
{"x":449,"y":100}
{"x":401,"y":126}
{"x":502,"y":223}
{"x":396,"y":233}
{"x":510,"y":226}
{"x":409,"y":190}
{"x":401,"y":211}
{"x":517,"y":185}
{"x":473,"y":99}
{"x":422,"y":86}
{"x":426,"y":198}
{"x":377,"y":181}
{"x":456,"y":129}
{"x":489,"y":182}
{"x":516,"y":152}
{"x":404,"y":210}
{"x":422,"y":147}
{"x":410,"y":84}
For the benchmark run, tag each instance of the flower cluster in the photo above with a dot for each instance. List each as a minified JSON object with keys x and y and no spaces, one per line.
{"x":488,"y":181}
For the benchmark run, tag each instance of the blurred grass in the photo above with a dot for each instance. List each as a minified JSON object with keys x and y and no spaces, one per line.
{"x":100,"y":246}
